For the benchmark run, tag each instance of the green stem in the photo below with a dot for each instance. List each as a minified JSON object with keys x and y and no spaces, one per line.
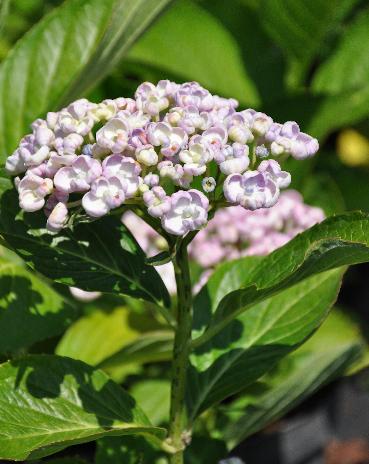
{"x":181,"y":351}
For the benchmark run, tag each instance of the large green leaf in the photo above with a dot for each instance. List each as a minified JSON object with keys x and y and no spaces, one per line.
{"x":153,"y":396}
{"x":66,"y":53}
{"x":86,"y":340}
{"x":347,"y":67}
{"x":196,"y":46}
{"x":50,"y":402}
{"x":149,"y":347}
{"x":101,"y":255}
{"x":326,"y":355}
{"x":30,"y":310}
{"x":299,"y":27}
{"x":236,"y":285}
{"x":250,"y":345}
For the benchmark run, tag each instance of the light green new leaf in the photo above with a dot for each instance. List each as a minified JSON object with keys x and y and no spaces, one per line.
{"x":255,"y":341}
{"x":50,"y":402}
{"x":149,"y":347}
{"x":335,"y":346}
{"x":347,"y":68}
{"x":63,"y":56}
{"x":153,"y":396}
{"x":299,"y":27}
{"x":196,"y":46}
{"x":235,"y":286}
{"x":30,"y":310}
{"x":102,"y":255}
{"x":87,"y":340}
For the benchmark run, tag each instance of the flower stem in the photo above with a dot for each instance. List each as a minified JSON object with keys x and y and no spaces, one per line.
{"x":181,"y":351}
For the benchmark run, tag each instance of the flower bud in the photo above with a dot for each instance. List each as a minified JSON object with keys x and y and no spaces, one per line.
{"x":58,"y":218}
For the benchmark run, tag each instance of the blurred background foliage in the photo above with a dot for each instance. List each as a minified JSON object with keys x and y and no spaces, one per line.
{"x":294,"y":59}
{"x":303,"y":60}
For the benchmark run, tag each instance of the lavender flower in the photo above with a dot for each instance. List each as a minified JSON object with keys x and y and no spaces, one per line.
{"x":188,"y":211}
{"x":179,"y":134}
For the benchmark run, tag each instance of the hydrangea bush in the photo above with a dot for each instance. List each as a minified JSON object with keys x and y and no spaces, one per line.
{"x":173,"y":181}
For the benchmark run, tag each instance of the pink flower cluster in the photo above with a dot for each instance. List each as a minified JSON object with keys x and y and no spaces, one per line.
{"x":152,"y":149}
{"x":233,"y":233}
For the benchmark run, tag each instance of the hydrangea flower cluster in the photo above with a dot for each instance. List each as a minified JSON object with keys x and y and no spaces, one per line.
{"x":233,"y":233}
{"x":174,"y":149}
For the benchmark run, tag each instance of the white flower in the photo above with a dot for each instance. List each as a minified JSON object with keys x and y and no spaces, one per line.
{"x":252,"y":190}
{"x":273,"y":170}
{"x":233,"y":159}
{"x":32,"y":192}
{"x":104,"y":110}
{"x":126,"y":169}
{"x":171,"y":139}
{"x":105,"y":194}
{"x":113,"y":136}
{"x":15,"y":164}
{"x":157,"y":202}
{"x":208,"y":184}
{"x":195,"y":159}
{"x":57,"y":218}
{"x":147,"y":155}
{"x":188,"y":211}
{"x":78,"y":177}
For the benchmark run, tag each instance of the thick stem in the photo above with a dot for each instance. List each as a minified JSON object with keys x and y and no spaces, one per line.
{"x":181,"y":351}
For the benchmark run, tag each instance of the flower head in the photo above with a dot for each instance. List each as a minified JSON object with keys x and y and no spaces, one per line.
{"x":165,"y":147}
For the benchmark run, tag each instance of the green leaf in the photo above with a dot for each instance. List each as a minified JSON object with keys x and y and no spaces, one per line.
{"x":50,"y":403}
{"x":196,"y":44}
{"x":299,"y":27}
{"x":204,"y":449}
{"x":347,"y":67}
{"x":30,"y":310}
{"x":86,"y":340}
{"x":101,"y":255}
{"x":5,"y":182}
{"x":324,"y":357}
{"x":255,"y":341}
{"x":149,"y":347}
{"x":153,"y":397}
{"x":64,"y":55}
{"x":127,"y":450}
{"x":236,"y":285}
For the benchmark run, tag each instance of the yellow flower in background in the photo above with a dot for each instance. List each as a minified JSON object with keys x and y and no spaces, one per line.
{"x":353,"y":148}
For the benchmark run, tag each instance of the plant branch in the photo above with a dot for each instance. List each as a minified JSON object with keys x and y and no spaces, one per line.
{"x":181,"y":351}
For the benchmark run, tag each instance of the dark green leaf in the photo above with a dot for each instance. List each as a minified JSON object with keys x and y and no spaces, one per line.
{"x":161,"y":258}
{"x":235,"y":286}
{"x":347,"y":67}
{"x":126,"y":450}
{"x":63,"y":55}
{"x":194,"y":46}
{"x":5,"y":182}
{"x":251,"y":344}
{"x":30,"y":310}
{"x":50,"y":402}
{"x":299,"y":27}
{"x":205,"y":450}
{"x":325,"y":356}
{"x":102,"y":255}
